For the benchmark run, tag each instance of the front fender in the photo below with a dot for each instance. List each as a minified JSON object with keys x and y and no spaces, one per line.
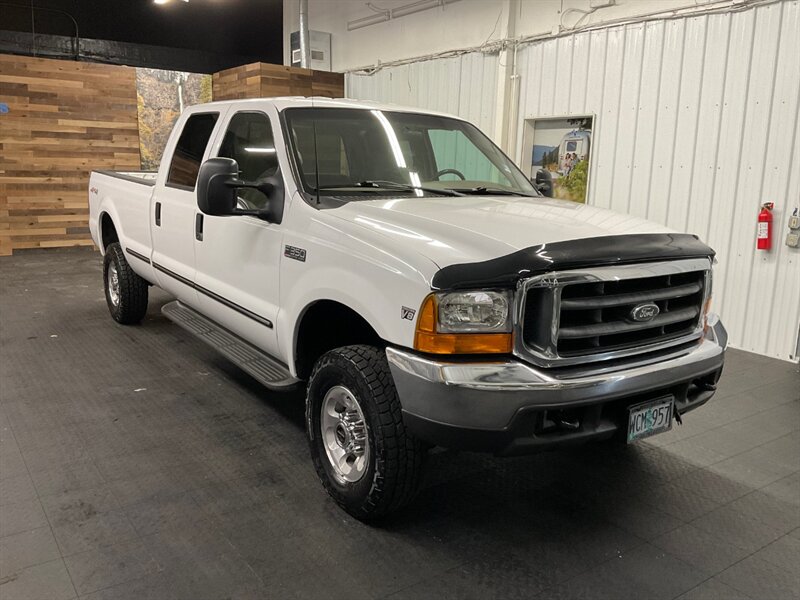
{"x":379,"y":305}
{"x":349,"y":265}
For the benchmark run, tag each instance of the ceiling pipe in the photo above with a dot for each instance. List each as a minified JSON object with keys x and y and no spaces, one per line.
{"x":304,"y":43}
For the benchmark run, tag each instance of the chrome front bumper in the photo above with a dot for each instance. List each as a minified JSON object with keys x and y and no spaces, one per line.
{"x":489,"y":396}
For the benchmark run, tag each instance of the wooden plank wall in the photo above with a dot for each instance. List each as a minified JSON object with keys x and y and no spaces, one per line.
{"x":64,"y":119}
{"x":263,"y":80}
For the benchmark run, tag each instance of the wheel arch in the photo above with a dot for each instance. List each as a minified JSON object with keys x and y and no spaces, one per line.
{"x":108,"y":231}
{"x":324,"y":325}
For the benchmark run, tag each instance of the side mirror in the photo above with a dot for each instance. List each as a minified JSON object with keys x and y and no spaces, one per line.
{"x":544,"y":182}
{"x":215,"y":193}
{"x":218,"y":181}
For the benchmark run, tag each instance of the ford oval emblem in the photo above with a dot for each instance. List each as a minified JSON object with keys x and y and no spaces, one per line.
{"x":645,"y":312}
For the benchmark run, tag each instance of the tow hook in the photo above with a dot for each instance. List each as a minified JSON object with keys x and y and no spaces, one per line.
{"x":564,"y":423}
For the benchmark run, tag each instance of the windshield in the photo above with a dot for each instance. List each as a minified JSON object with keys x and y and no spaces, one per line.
{"x":358,"y":149}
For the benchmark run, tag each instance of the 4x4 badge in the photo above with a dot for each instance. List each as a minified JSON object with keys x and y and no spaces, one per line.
{"x":407,"y":313}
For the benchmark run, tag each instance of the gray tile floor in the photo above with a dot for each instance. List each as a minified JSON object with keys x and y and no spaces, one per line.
{"x":136,"y":463}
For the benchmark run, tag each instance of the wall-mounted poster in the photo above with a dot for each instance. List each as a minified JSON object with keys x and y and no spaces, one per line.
{"x":557,"y":152}
{"x":161,"y":97}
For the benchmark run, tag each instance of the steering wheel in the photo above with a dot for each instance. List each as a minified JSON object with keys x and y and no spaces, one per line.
{"x":455,"y":172}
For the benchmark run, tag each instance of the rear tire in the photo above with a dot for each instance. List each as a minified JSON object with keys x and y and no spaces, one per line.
{"x":366,"y":459}
{"x":126,"y":292}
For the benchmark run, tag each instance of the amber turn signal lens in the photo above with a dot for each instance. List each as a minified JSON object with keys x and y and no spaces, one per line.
{"x":463,"y":343}
{"x":427,"y":315}
{"x":428,"y":340}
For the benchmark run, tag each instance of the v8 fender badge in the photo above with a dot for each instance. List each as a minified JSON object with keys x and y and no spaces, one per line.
{"x":407,"y":313}
{"x":295,"y":253}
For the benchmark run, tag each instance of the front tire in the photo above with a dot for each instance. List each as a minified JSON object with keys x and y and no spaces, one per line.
{"x":366,"y":459}
{"x":126,"y":292}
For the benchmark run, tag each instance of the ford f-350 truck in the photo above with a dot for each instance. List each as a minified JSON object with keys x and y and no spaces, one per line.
{"x":402,"y":268}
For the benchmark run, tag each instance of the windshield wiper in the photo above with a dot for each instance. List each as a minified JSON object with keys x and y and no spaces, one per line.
{"x":485,"y":191}
{"x":391,"y":185}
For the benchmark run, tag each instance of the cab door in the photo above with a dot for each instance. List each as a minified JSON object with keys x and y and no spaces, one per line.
{"x":238,"y":257}
{"x":174,"y":204}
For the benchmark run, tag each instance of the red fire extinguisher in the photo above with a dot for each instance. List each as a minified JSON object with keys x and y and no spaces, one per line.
{"x":765,"y":226}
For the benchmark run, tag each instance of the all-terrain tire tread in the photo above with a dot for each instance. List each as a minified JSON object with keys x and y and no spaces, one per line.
{"x":399,"y":456}
{"x":132,"y":288}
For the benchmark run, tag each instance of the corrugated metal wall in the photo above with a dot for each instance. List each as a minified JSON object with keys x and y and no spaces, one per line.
{"x":697,"y":123}
{"x":464,"y":85}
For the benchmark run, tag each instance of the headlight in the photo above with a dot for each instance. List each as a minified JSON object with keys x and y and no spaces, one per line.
{"x":475,"y":322}
{"x":474,"y":312}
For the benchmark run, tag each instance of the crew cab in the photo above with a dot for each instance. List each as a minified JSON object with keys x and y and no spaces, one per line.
{"x":399,"y":266}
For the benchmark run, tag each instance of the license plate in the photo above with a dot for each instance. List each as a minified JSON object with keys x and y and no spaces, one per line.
{"x":649,"y":418}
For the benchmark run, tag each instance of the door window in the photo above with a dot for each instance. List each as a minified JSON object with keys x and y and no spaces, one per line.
{"x":189,"y":152}
{"x":249,"y":141}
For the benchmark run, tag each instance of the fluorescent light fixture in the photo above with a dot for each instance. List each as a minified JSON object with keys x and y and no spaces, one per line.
{"x":392,"y":136}
{"x":367,"y":21}
{"x":408,"y":9}
{"x":256,"y":150}
{"x":160,"y":1}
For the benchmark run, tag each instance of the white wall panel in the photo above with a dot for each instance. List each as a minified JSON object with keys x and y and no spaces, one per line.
{"x":465,"y":85}
{"x":581,"y":54}
{"x":608,"y":117}
{"x":770,"y":277}
{"x":697,"y":124}
{"x":647,"y":108}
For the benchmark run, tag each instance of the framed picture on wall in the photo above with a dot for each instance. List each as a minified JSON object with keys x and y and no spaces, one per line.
{"x":557,"y":155}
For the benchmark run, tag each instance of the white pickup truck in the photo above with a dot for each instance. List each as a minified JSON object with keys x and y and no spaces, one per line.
{"x":400,"y":266}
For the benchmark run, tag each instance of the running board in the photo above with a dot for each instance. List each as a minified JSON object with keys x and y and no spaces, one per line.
{"x":256,"y":363}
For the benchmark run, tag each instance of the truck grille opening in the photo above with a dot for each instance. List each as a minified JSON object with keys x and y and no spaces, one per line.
{"x":597,"y":317}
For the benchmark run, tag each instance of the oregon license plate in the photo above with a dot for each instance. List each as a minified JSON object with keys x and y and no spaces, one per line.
{"x":649,"y":418}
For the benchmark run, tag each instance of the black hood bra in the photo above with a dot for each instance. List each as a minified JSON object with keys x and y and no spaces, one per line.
{"x":603,"y":251}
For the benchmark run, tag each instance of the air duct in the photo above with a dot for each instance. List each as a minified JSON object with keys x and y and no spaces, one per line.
{"x":304,"y":43}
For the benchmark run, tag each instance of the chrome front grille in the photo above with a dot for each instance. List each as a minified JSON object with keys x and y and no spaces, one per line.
{"x":575,"y":316}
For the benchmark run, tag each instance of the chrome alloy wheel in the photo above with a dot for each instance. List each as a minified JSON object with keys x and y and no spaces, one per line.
{"x":113,"y":284}
{"x":344,"y":434}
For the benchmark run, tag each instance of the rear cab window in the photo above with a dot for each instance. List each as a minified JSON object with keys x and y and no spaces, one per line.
{"x":185,"y":163}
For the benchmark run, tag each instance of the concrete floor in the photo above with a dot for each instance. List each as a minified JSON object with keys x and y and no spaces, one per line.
{"x":136,"y":463}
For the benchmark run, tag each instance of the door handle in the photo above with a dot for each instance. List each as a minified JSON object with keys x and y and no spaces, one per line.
{"x":158,"y":214}
{"x":198,"y":227}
